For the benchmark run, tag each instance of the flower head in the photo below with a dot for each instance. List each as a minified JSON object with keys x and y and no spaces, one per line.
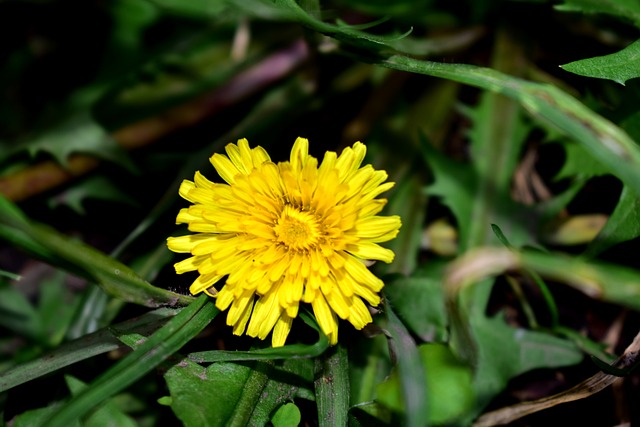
{"x":285,"y":233}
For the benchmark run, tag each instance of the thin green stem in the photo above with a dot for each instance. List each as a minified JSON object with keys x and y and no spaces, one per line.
{"x":522,"y":299}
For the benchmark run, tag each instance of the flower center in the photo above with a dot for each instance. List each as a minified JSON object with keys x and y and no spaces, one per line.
{"x":297,"y":229}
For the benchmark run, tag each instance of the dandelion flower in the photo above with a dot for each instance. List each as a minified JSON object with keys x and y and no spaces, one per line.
{"x":287,"y":233}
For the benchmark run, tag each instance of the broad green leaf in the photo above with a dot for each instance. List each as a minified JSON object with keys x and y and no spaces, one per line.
{"x":288,"y":415}
{"x":579,"y":163}
{"x":506,"y":352}
{"x":619,"y":67}
{"x":623,"y":9}
{"x":97,"y":187}
{"x":78,"y":133}
{"x":266,"y":386}
{"x":252,"y":391}
{"x":107,"y":414}
{"x":623,"y":224}
{"x":289,"y":379}
{"x":419,"y":302}
{"x":450,"y":393}
{"x":206,"y":396}
{"x":452,"y":181}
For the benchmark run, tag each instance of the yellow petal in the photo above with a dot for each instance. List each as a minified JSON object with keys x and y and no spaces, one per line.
{"x":281,"y":330}
{"x":373,"y":251}
{"x":190,"y":264}
{"x":299,"y":153}
{"x":325,"y":317}
{"x":225,"y":168}
{"x":359,"y":315}
{"x":203,"y":283}
{"x":372,"y":227}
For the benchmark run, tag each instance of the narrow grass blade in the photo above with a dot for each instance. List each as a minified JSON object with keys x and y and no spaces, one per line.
{"x":157,"y":348}
{"x":83,"y":348}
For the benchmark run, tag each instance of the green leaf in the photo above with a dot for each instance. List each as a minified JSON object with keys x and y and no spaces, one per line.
{"x":131,"y":18}
{"x":266,"y":386}
{"x":419,"y":302}
{"x":452,"y":180}
{"x":497,"y":137}
{"x":604,"y":281}
{"x":156,"y":349}
{"x":56,"y":308}
{"x":16,"y":312}
{"x":332,"y":387}
{"x":55,"y":248}
{"x":601,"y":138}
{"x":291,"y":10}
{"x":83,"y":348}
{"x":37,"y":417}
{"x":252,"y":391}
{"x":624,"y":9}
{"x":288,"y":415}
{"x":623,"y":224}
{"x":78,"y":133}
{"x":449,"y":386}
{"x":206,"y":396}
{"x":410,"y":369}
{"x":369,"y":366}
{"x":580,"y":163}
{"x":106,"y":414}
{"x":97,"y":187}
{"x":506,"y":352}
{"x":4,"y":274}
{"x":619,"y":67}
{"x":288,"y":379}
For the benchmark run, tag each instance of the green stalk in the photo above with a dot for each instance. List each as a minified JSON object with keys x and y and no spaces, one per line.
{"x":111,"y":275}
{"x":332,"y":387}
